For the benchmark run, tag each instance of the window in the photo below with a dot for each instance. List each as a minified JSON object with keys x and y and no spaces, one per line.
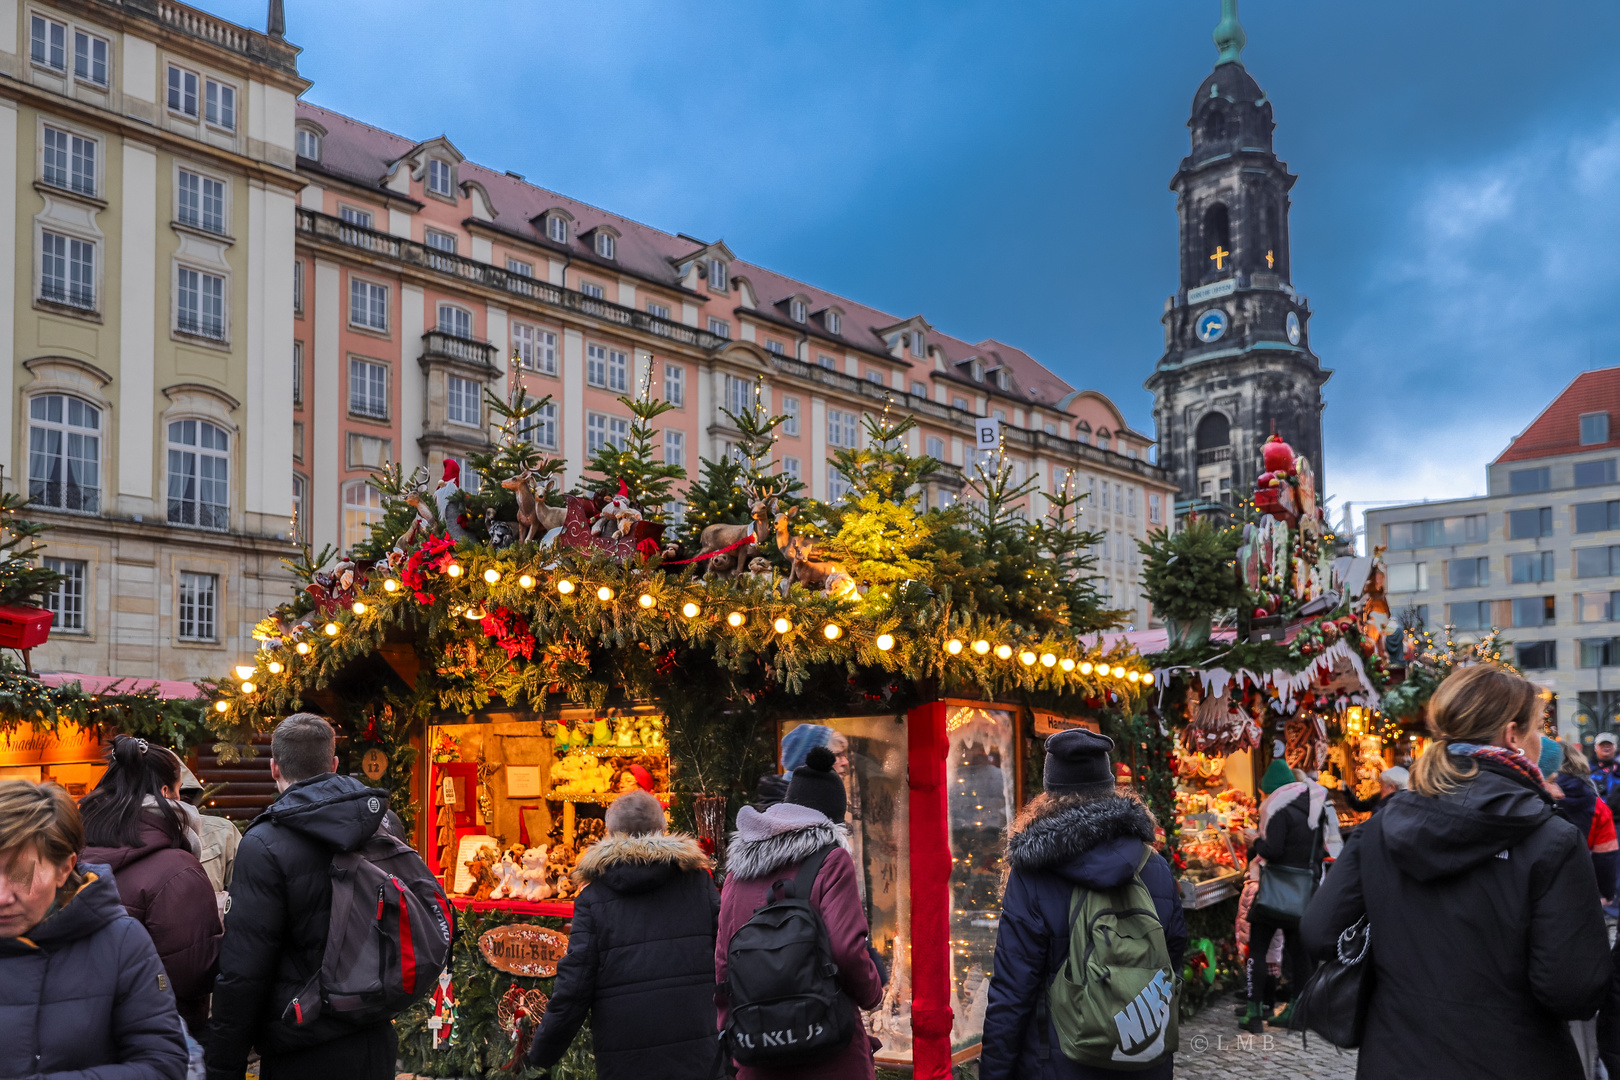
{"x":362,"y":508}
{"x":66,"y":600}
{"x":959,"y":403}
{"x":1594,"y":607}
{"x":461,"y":401}
{"x":618,"y":370}
{"x":719,"y":327}
{"x":202,"y":203}
{"x":89,"y":58}
{"x":67,"y":270}
{"x":1530,"y":566}
{"x":199,"y":597}
{"x":64,"y":453}
{"x":841,"y":428}
{"x":835,"y":322}
{"x":918,"y":347}
{"x":1102,"y":440}
{"x":675,"y":448}
{"x":368,"y":305}
{"x":298,"y":287}
{"x":361,"y":218}
{"x":455,"y":321}
{"x":1474,"y":615}
{"x":1529,"y":524}
{"x":309,"y":145}
{"x":536,"y":349}
{"x":657,"y":311}
{"x":1597,"y":516}
{"x":790,"y":409}
{"x":675,"y":384}
{"x":541,"y":426}
{"x":368,"y":389}
{"x":1528,"y":481}
{"x":591,"y":289}
{"x":69,"y":161}
{"x":934,"y":447}
{"x":601,"y":431}
{"x":220,"y":108}
{"x":1051,"y":429}
{"x":557,"y":228}
{"x":199,"y":474}
{"x":605,"y":246}
{"x":200,"y":303}
{"x":739,"y":396}
{"x":797,"y":310}
{"x":298,"y":373}
{"x":596,"y":365}
{"x":873,"y":376}
{"x":717,"y":275}
{"x":826,"y":361}
{"x":300,"y":530}
{"x":48,"y":43}
{"x":919,"y":390}
{"x":183,"y":92}
{"x":439,"y":241}
{"x":792,"y":467}
{"x":1130,"y":502}
{"x":438,"y":176}
{"x":1596,"y":562}
{"x":1593,"y":473}
{"x":838,"y":486}
{"x":519,"y":267}
{"x":774,"y":347}
{"x":1467,"y":573}
{"x":1155,"y":508}
{"x":1594,"y":428}
{"x":1533,"y":611}
{"x":1536,"y":655}
{"x":1598,"y":652}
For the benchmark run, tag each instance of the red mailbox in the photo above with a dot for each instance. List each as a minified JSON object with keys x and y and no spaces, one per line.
{"x":23,"y":627}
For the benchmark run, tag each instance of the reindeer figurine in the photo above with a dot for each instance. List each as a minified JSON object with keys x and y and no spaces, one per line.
{"x":535,"y":518}
{"x":761,"y":505}
{"x":806,"y":565}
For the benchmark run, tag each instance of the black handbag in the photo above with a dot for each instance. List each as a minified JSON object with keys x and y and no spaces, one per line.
{"x":1334,"y":1001}
{"x":1285,"y":891}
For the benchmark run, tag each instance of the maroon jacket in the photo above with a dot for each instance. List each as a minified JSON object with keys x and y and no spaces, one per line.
{"x":771,"y":846}
{"x":165,"y":888}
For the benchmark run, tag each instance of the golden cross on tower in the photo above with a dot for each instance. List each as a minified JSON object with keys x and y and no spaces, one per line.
{"x":1220,"y":253}
{"x":1271,"y":261}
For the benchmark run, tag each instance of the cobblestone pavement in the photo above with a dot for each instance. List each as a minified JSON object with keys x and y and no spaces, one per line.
{"x":1212,"y":1048}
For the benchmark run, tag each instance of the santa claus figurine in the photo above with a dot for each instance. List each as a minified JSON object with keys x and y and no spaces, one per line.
{"x":449,"y":491}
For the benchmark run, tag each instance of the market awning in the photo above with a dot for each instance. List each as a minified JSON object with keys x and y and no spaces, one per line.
{"x":1147,"y":642}
{"x":122,"y":684}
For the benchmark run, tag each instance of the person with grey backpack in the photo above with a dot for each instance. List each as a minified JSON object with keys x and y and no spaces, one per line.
{"x":1085,"y":897}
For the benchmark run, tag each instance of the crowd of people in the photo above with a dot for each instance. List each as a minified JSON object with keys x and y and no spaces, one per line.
{"x":141,"y":940}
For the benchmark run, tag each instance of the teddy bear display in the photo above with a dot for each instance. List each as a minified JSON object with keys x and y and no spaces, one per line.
{"x":533,"y":883}
{"x":559,"y":863}
{"x":507,"y":882}
{"x":481,"y":866}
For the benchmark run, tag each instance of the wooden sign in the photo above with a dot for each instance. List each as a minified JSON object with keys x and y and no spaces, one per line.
{"x":1050,"y":724}
{"x":70,"y":744}
{"x":523,"y":950}
{"x":374,"y":763}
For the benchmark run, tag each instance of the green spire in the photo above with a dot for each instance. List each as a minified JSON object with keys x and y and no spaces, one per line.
{"x":1229,"y":35}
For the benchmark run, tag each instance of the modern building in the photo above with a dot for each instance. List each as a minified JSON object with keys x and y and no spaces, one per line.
{"x":1537,"y":556}
{"x":1237,"y":363}
{"x":424,"y":279}
{"x":145,"y":322}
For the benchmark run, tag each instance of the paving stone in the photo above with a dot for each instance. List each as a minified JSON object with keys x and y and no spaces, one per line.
{"x":1213,"y":1048}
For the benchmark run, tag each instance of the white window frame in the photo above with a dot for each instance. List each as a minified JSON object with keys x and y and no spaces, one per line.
{"x":40,"y":47}
{"x":458,"y":315}
{"x":354,"y":215}
{"x":519,"y":267}
{"x":175,"y":97}
{"x":65,"y":460}
{"x":798,"y":310}
{"x":675,"y":384}
{"x":541,"y":427}
{"x":557,"y":228}
{"x":300,"y":487}
{"x":436,"y":169}
{"x":835,"y":322}
{"x":374,"y":301}
{"x":456,"y":401}
{"x":775,"y":347}
{"x":838,"y":486}
{"x":298,"y":373}
{"x":308,"y":144}
{"x":368,"y":388}
{"x":719,"y":280}
{"x":843,"y":429}
{"x":362,"y":505}
{"x":823,"y":360}
{"x":739,"y":395}
{"x":196,"y":607}
{"x":441,"y":241}
{"x":72,"y":293}
{"x":79,"y":171}
{"x":200,"y":219}
{"x":603,"y":429}
{"x":618,"y":371}
{"x":220,"y":100}
{"x":791,"y":466}
{"x":66,"y":600}
{"x":596,"y":365}
{"x":790,"y":409}
{"x":657,"y":310}
{"x":218,"y":514}
{"x":536,"y":348}
{"x":934,"y":447}
{"x":195,"y":281}
{"x":674,"y":447}
{"x":719,"y":328}
{"x":606,"y":244}
{"x":593,"y":290}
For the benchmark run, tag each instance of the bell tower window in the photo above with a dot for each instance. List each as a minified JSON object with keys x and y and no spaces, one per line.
{"x":1217,"y":240}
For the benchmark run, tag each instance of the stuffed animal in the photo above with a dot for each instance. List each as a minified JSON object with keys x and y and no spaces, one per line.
{"x":559,"y":862}
{"x":483,"y":875}
{"x":533,"y":875}
{"x":508,"y":882}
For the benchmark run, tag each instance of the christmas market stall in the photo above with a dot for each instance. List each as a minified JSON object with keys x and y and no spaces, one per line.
{"x":505,"y":659}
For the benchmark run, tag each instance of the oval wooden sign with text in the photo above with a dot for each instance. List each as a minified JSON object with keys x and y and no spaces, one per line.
{"x":523,"y":950}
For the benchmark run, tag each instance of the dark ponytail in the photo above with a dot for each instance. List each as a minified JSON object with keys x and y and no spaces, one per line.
{"x":135,"y":769}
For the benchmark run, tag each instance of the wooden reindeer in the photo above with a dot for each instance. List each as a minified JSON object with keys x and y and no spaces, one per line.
{"x":761,"y":505}
{"x":807,"y":566}
{"x":535,"y":518}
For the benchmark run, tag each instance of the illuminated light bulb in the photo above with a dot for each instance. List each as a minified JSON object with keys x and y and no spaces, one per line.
{"x":833,"y":631}
{"x":1119,"y":673}
{"x":565,"y":586}
{"x":604,"y":594}
{"x":303,"y":648}
{"x":454,"y":570}
{"x":735,"y":618}
{"x":1085,"y":667}
{"x":645,"y":601}
{"x":781,"y":625}
{"x":690,"y":610}
{"x":954,"y":647}
{"x":475,"y":613}
{"x":359,"y":607}
{"x":248,"y":688}
{"x":1048,"y":660}
{"x":981,"y":647}
{"x":525,"y":582}
{"x":1147,"y":680}
{"x":1134,"y":676}
{"x":275,"y":667}
{"x":1066,"y":664}
{"x":331,"y":629}
{"x":1003,"y":652}
{"x":390,"y":585}
{"x":1026,"y":658}
{"x":245,"y":671}
{"x":885,"y":642}
{"x":220,"y":706}
{"x":492,"y":575}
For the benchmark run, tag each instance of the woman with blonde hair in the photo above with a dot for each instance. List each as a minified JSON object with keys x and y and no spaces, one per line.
{"x":1486,"y":933}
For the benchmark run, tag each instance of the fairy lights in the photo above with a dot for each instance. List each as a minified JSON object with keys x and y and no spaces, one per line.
{"x":525,"y":582}
{"x":782,"y":624}
{"x":604,"y":594}
{"x":1026,"y":658}
{"x":885,"y":642}
{"x":646,"y":601}
{"x":391,"y":585}
{"x":832,"y":631}
{"x":981,"y":646}
{"x":331,"y":629}
{"x":1003,"y":652}
{"x":492,"y":575}
{"x":453,"y":570}
{"x":690,"y":610}
{"x":358,"y":607}
{"x":303,"y":648}
{"x":735,"y":619}
{"x":275,"y":667}
{"x":954,"y":647}
{"x":565,"y":586}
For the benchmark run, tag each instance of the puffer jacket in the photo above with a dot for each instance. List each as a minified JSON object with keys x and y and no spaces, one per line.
{"x":281,"y":909}
{"x":1093,"y":845}
{"x":1487,"y":937}
{"x":165,"y":887}
{"x":640,"y":961}
{"x":773,"y":845}
{"x":83,"y":995}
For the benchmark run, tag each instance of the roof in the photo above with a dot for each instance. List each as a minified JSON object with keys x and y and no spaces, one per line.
{"x":1558,"y":429}
{"x":115,"y":684}
{"x":363,"y":155}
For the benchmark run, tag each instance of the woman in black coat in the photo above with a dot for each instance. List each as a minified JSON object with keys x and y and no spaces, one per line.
{"x":1487,"y":937}
{"x":640,"y":955}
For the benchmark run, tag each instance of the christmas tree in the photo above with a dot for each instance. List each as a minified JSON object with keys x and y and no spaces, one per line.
{"x":878,"y":533}
{"x":648,"y":480}
{"x":22,"y":579}
{"x":516,"y":451}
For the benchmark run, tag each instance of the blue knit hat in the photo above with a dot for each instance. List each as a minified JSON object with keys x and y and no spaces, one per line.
{"x":1552,"y":756}
{"x":797,"y":744}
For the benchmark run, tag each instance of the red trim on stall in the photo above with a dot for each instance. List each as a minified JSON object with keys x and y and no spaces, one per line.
{"x":929,"y":823}
{"x":562,"y":909}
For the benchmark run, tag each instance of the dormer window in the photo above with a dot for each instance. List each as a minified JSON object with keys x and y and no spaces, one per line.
{"x":438,"y":177}
{"x":309,"y":144}
{"x":718,"y":278}
{"x":976,"y":369}
{"x":918,"y":346}
{"x":605,"y":246}
{"x":1102,"y":438}
{"x":798,"y":310}
{"x":835,"y":322}
{"x":557,"y":228}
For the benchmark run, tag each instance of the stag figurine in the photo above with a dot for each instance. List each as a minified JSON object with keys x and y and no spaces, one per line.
{"x":806,"y":565}
{"x":535,"y":518}
{"x":741,"y":539}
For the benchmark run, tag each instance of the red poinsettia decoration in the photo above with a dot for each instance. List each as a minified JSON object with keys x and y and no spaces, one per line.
{"x":510,"y":631}
{"x":434,"y":554}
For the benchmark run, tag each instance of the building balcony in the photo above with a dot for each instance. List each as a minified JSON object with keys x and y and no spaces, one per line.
{"x":1215,"y":455}
{"x":438,"y":345}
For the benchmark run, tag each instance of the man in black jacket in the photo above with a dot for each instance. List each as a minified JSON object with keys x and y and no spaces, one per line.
{"x":1291,"y":834}
{"x":281,"y":909}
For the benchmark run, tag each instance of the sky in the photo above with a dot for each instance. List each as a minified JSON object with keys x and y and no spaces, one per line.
{"x":1002,"y":168}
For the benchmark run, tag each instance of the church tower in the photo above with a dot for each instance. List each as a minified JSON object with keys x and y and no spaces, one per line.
{"x":1237,"y":361}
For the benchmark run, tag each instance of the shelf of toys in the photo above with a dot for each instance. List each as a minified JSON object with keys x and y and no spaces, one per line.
{"x":515,"y":797}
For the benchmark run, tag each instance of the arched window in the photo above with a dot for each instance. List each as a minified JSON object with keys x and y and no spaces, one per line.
{"x":199,"y":474}
{"x":362,"y":507}
{"x":64,"y":453}
{"x":1214,"y":126}
{"x":1213,"y":431}
{"x":455,"y":321}
{"x":1217,"y":239}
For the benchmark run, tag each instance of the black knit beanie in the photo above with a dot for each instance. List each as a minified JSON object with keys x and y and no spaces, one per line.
{"x":815,"y":785}
{"x":1077,"y":763}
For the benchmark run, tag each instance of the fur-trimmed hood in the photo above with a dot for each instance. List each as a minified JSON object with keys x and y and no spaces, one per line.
{"x":781,"y":836}
{"x":1095,"y":843}
{"x":639,"y":863}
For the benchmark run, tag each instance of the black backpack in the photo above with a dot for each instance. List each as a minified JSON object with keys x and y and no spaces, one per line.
{"x":786,"y":1005}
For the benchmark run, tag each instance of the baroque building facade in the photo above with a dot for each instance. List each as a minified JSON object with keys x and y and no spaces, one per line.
{"x":1237,"y":364}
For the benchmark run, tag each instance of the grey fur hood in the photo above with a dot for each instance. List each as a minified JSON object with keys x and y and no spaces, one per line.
{"x":675,"y":849}
{"x":1089,"y":842}
{"x":761,"y":847}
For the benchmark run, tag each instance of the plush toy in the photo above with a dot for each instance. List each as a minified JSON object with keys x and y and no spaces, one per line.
{"x":483,"y":875}
{"x":508,"y":883}
{"x":533,"y":875}
{"x":559,"y":862}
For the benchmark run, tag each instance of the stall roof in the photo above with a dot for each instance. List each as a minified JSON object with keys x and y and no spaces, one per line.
{"x":1147,"y":642}
{"x":113,"y":684}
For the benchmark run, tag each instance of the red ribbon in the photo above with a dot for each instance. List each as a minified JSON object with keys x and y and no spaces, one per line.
{"x":749,"y":539}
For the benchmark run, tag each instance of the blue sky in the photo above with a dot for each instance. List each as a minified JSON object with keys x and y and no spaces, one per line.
{"x":1002,"y":168}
